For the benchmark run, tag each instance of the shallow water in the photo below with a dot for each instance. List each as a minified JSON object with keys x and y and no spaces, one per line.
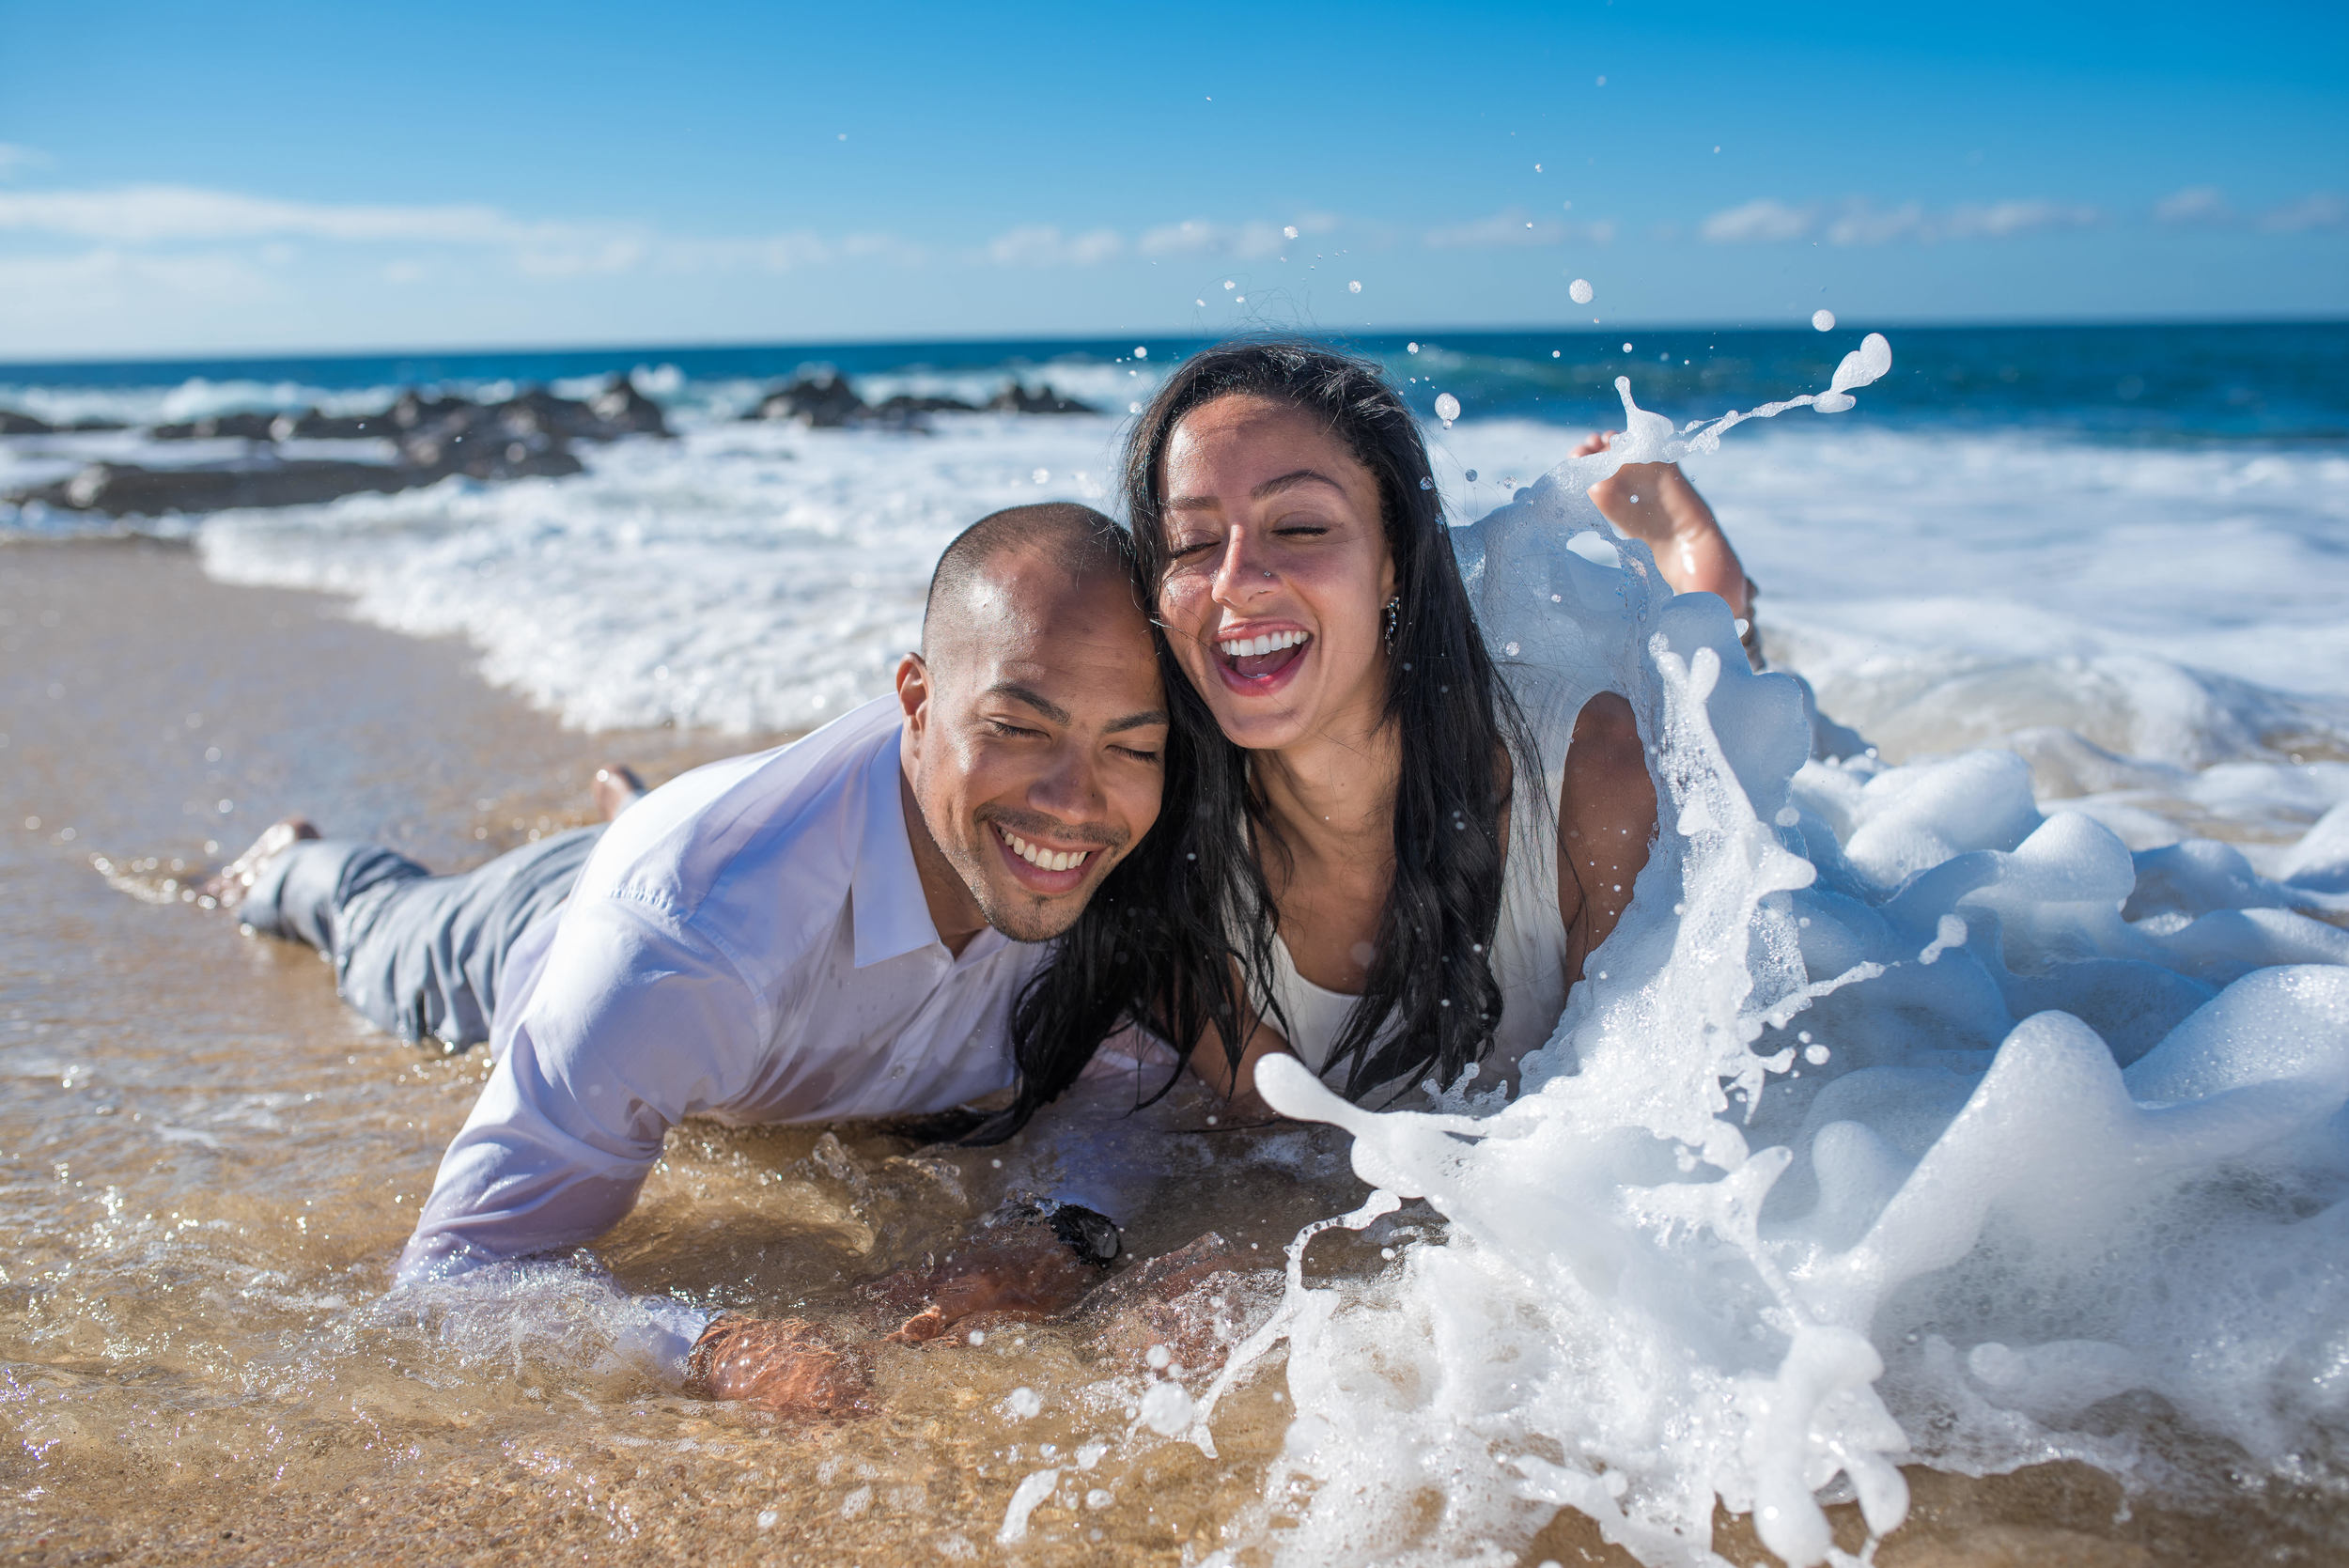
{"x":209,"y":1167}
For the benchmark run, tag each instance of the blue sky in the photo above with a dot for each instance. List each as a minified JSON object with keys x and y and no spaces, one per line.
{"x":266,"y":177}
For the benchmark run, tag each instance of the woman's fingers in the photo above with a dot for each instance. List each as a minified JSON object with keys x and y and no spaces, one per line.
{"x":1594,"y":444}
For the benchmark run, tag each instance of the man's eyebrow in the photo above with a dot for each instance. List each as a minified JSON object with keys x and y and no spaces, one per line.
{"x":1135,"y":722}
{"x":1029,"y":695}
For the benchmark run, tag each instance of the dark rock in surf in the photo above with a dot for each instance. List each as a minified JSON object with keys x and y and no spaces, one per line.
{"x":1016,"y":398}
{"x":624,"y":409}
{"x":906,"y":404}
{"x":126,"y":490}
{"x":310,"y":425}
{"x":15,"y":424}
{"x":431,"y":437}
{"x":819,"y":402}
{"x":220,"y":426}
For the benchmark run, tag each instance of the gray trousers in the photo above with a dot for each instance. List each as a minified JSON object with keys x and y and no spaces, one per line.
{"x":416,"y":953}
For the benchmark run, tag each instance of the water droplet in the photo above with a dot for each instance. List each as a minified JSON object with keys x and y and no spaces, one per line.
{"x":1823,"y":319}
{"x":1580,"y":291}
{"x":1354,"y":288}
{"x":1471,"y":476}
{"x":1626,"y":348}
{"x":1141,"y":351}
{"x":1410,"y":348}
{"x":1447,"y":407}
{"x":1229,"y":284}
{"x":1288,"y":231}
{"x":1043,"y":475}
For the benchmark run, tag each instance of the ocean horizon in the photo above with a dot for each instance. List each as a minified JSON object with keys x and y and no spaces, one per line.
{"x":2258,"y":379}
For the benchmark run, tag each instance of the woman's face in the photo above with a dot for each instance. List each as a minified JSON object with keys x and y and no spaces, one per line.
{"x":1278,"y":575}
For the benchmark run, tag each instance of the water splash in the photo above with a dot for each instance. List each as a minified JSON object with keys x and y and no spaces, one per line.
{"x":2062,"y":1150}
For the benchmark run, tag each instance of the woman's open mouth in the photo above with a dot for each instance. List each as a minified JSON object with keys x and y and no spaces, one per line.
{"x":1261,"y":662}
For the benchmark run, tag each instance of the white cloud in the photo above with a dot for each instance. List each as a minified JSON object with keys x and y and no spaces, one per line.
{"x":107,"y":276}
{"x":1512,"y":226}
{"x":1247,"y":241}
{"x":1859,"y":222}
{"x":2321,"y":210}
{"x":2195,"y":207}
{"x":145,"y":214}
{"x":2004,"y":219}
{"x":1761,"y":222}
{"x":1044,"y":245}
{"x":176,"y":215}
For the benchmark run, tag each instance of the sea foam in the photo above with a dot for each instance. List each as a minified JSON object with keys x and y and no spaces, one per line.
{"x":1882,"y":1130}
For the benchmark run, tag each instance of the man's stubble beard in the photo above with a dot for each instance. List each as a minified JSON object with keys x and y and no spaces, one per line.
{"x":1024,"y":917}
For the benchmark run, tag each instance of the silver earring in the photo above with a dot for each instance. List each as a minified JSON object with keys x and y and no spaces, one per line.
{"x":1394,"y":611}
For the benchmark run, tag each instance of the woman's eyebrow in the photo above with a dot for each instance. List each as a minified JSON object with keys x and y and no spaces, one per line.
{"x":1291,"y":479}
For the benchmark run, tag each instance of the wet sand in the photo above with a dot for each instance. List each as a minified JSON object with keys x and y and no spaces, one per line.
{"x":207,"y":1168}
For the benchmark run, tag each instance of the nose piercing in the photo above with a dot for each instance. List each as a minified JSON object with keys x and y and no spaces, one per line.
{"x":1267,"y":573}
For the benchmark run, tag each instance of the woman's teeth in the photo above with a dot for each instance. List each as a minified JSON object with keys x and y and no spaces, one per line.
{"x":1271,"y":642}
{"x":1042,"y":859}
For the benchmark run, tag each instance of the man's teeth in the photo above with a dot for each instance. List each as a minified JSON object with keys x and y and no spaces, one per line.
{"x":1271,"y":642}
{"x":1045,"y":860}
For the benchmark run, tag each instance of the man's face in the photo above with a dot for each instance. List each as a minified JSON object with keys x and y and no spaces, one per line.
{"x":1035,"y":740}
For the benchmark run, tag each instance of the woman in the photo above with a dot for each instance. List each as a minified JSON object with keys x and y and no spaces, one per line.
{"x":1409,"y":880}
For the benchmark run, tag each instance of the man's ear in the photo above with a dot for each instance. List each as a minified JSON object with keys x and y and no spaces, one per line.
{"x":913,"y":695}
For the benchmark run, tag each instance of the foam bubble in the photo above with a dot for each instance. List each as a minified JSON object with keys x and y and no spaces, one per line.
{"x":1580,"y":291}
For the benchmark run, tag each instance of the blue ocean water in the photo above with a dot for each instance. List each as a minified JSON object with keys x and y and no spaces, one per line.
{"x":2262,"y":381}
{"x":2138,"y":536}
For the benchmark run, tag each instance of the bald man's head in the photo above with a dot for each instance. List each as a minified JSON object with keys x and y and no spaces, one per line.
{"x":1076,"y":542}
{"x":1036,"y":725}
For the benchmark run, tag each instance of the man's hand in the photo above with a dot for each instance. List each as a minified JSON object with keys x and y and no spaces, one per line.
{"x":1655,"y":504}
{"x":1023,"y":1268}
{"x":788,"y":1365}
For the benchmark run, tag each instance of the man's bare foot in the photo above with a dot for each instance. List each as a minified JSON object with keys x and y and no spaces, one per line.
{"x":228,"y":886}
{"x":1655,"y":504}
{"x":788,"y":1365}
{"x":616,"y":788}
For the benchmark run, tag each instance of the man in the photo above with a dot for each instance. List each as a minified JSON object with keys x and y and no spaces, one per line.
{"x":835,"y":929}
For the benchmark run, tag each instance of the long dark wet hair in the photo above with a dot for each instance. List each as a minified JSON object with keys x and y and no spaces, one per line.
{"x":1431,"y":1003}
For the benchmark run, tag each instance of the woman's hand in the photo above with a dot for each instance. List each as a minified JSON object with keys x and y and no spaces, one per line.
{"x":1655,"y":504}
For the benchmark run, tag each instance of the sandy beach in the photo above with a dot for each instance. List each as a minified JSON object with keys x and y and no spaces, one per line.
{"x":209,"y":1167}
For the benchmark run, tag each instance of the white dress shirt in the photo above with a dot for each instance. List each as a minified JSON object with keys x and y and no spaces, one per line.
{"x":749,"y":942}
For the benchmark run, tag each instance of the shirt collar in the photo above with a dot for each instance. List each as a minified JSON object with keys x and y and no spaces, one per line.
{"x":892,"y":918}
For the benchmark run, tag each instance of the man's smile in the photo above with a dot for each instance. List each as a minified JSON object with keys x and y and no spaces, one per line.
{"x":1042,"y":867}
